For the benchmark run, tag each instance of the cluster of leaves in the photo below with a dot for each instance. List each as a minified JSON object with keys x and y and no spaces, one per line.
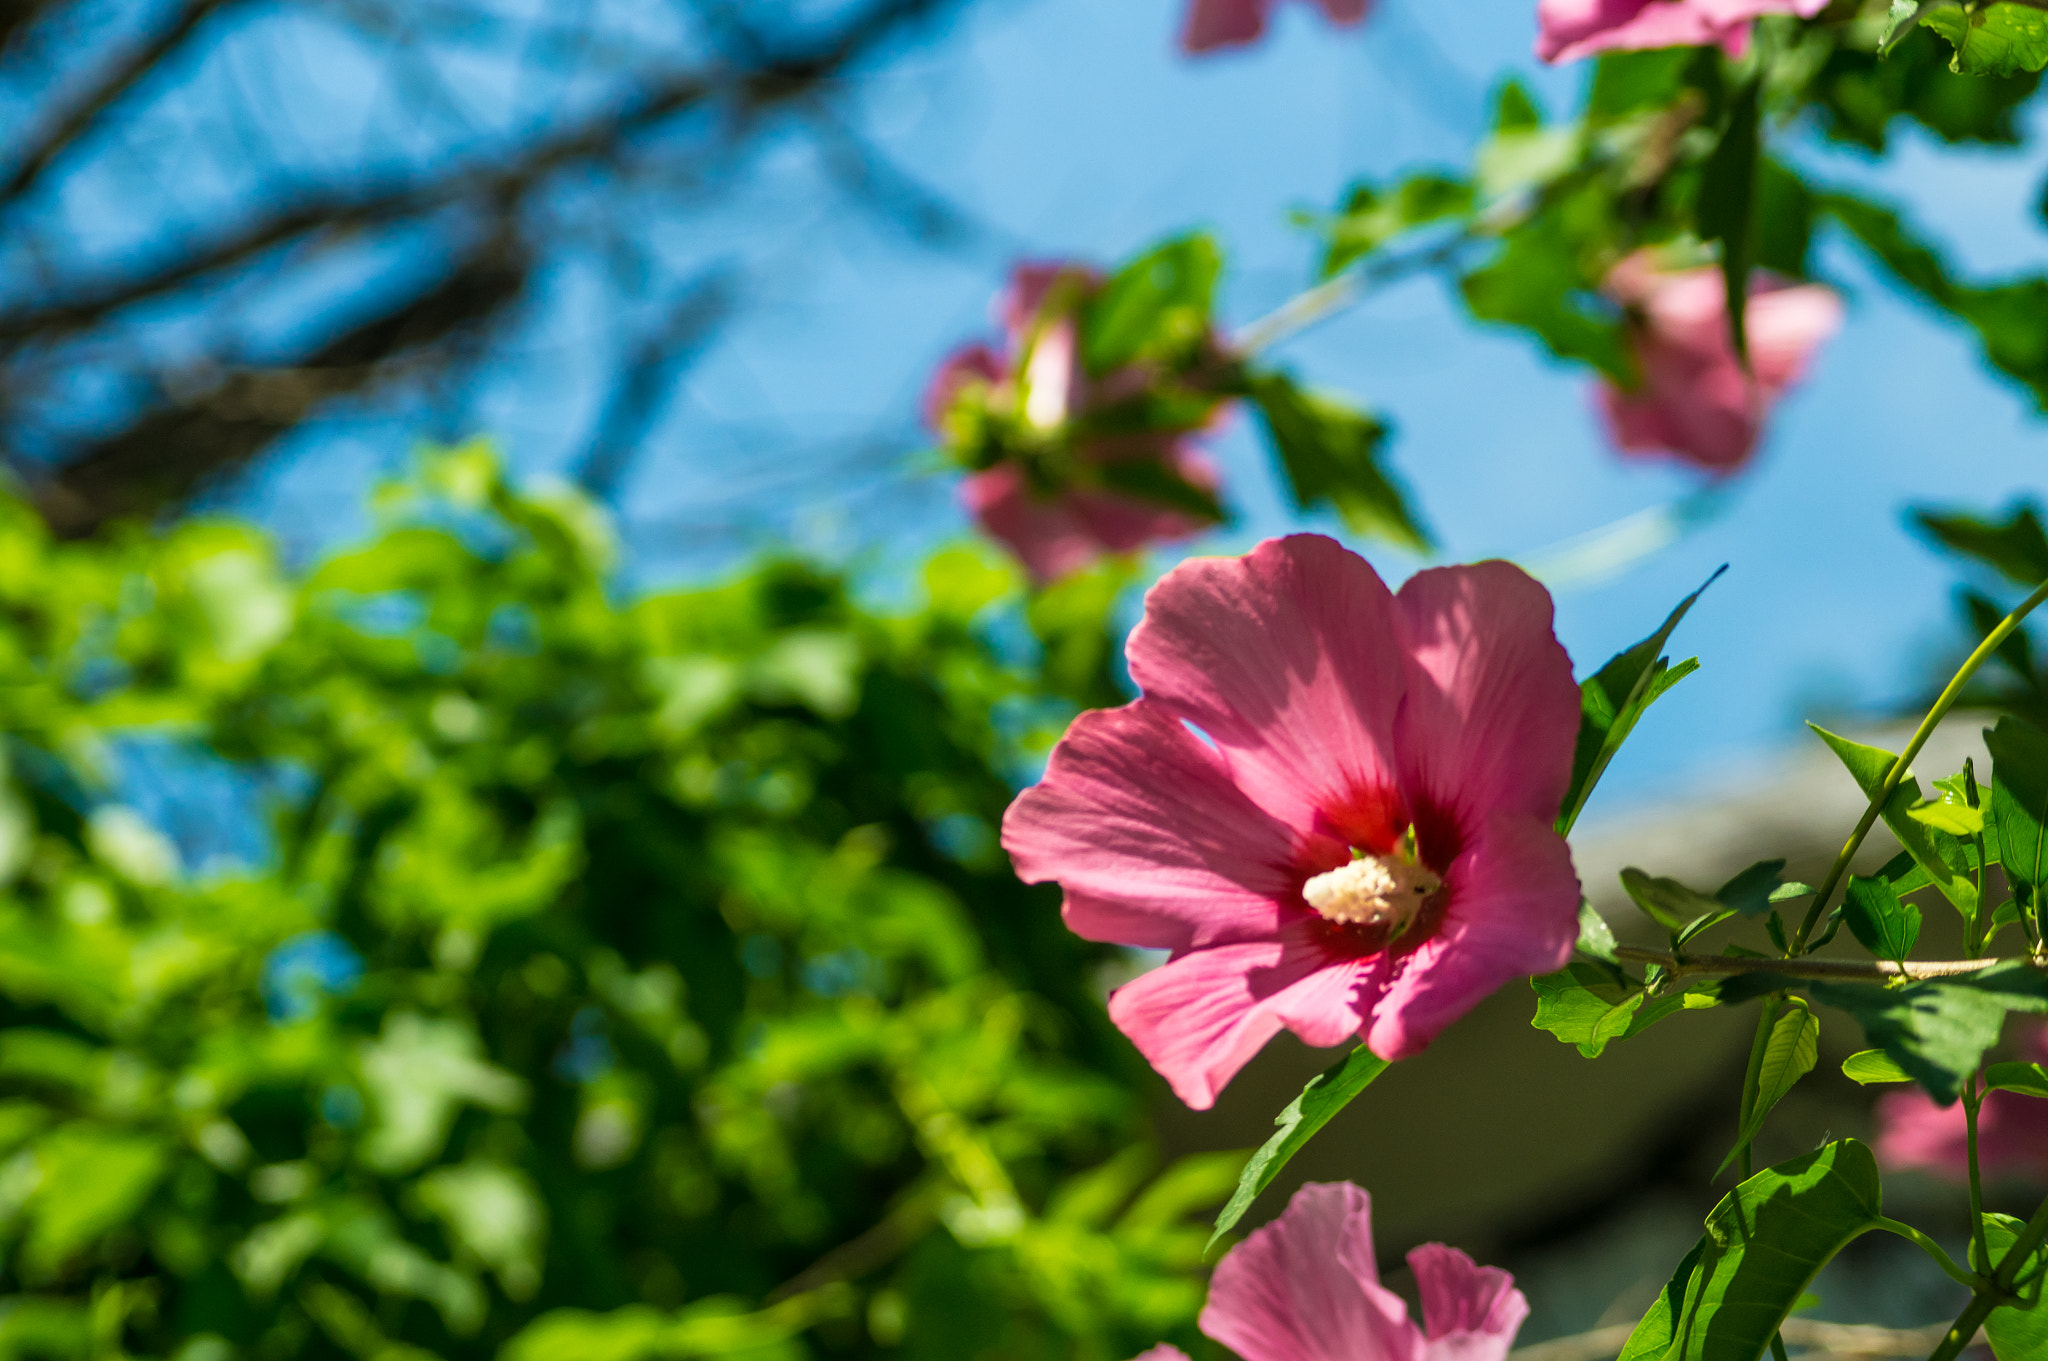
{"x":1672,"y":149}
{"x":1150,"y":352}
{"x":614,"y":982}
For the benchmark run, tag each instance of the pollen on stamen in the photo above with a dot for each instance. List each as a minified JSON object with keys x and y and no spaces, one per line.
{"x":1373,"y":890}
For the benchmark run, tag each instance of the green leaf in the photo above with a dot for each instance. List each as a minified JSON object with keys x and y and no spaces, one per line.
{"x":2019,"y":797}
{"x":1581,"y":1004}
{"x":1540,"y":278}
{"x":1764,"y":1244}
{"x":2017,"y":1332}
{"x":1331,"y":455}
{"x":1326,"y":1094}
{"x":1958,"y":820}
{"x":1596,"y":937}
{"x":1992,"y":40}
{"x":1754,"y":890}
{"x":1936,"y":853}
{"x":1887,"y":927}
{"x":1150,"y":479}
{"x":1666,"y":901}
{"x":1727,"y":205}
{"x":1373,"y":216}
{"x":1614,"y":698}
{"x":1789,"y":1055}
{"x":1156,"y":307}
{"x":2028,"y":1079}
{"x":1938,"y":1031}
{"x":1873,"y":1065}
{"x":2016,"y":547}
{"x":92,"y":1180}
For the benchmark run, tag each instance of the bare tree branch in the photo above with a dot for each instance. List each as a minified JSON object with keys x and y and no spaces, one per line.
{"x":82,"y":115}
{"x":641,"y":393}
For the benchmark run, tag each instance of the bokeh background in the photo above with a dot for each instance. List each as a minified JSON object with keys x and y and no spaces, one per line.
{"x":566,"y":864}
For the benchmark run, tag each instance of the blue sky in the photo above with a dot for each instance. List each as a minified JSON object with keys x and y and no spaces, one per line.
{"x":1071,"y":127}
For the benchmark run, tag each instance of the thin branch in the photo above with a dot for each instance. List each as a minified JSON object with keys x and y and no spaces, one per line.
{"x":641,"y":393}
{"x":74,"y":122}
{"x":788,"y":77}
{"x":1874,"y":971}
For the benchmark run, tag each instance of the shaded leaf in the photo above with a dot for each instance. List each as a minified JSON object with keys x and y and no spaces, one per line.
{"x":1887,"y":927}
{"x":1156,"y":307}
{"x":1938,"y":1031}
{"x":2019,"y":797}
{"x":1789,"y":1055}
{"x":1765,"y":1242}
{"x":1992,"y":40}
{"x":1331,"y":454}
{"x":2028,"y":1079}
{"x":2016,"y":547}
{"x":2017,"y":1332}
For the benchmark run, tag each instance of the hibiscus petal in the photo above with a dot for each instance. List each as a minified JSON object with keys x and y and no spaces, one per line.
{"x":1571,"y":29}
{"x":1222,"y":23}
{"x":1304,"y":1287}
{"x":1470,"y":1312}
{"x":1045,"y":534}
{"x":1201,"y":1017}
{"x":1786,"y":325}
{"x":1165,"y":1351}
{"x":1345,"y":11}
{"x":1513,"y":911}
{"x":968,"y":365}
{"x":1492,"y":713}
{"x":1141,"y":825}
{"x":1290,"y":660}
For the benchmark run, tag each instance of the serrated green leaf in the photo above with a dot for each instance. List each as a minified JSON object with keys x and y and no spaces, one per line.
{"x":1764,"y":1244}
{"x":1582,"y":1005}
{"x":1992,"y":40}
{"x":2028,"y":1079}
{"x":1326,"y":1094}
{"x":1596,"y":937}
{"x":1873,"y":1065}
{"x":1887,"y":927}
{"x":1789,"y":1055}
{"x":1614,"y":698}
{"x":1331,"y":455}
{"x":1938,"y":1031}
{"x":1937,"y":854}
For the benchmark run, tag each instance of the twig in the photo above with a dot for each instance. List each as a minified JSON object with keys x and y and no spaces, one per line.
{"x":1875,"y":970}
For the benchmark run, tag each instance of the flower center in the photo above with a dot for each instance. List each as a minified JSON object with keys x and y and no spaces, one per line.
{"x":1373,"y":890}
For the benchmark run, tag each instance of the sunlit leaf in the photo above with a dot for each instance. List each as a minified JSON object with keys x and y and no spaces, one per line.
{"x":1326,"y":1094}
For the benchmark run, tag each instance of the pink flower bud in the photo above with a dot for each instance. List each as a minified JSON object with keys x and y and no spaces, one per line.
{"x":1214,"y":24}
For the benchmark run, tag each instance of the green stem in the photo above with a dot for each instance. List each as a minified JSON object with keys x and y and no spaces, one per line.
{"x":1942,"y":704}
{"x":1990,"y":1294}
{"x":1972,"y":1100}
{"x":1949,"y":1266}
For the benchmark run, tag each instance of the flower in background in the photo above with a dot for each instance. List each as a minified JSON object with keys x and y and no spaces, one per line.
{"x":1069,"y":466}
{"x":1306,"y":1288}
{"x":1332,"y":803}
{"x":1213,"y":24}
{"x":2012,"y":1131}
{"x":1570,"y":29}
{"x":1695,"y":402}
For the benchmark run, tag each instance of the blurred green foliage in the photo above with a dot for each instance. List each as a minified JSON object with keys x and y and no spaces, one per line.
{"x":615,"y":980}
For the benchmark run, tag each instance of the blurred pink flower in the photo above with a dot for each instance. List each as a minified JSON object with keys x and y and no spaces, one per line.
{"x":1038,"y":382}
{"x":1570,"y":29}
{"x":1332,"y":804}
{"x":1165,"y":1351}
{"x":1306,"y":1288}
{"x":2012,"y":1131}
{"x":1213,"y":24}
{"x":1695,"y":403}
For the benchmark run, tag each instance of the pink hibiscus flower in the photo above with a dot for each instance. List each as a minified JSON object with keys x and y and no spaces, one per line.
{"x":1696,"y":404}
{"x":1212,"y":24}
{"x":1306,"y":1288}
{"x":1570,"y":29}
{"x":1038,"y":386}
{"x":1359,"y":841}
{"x":2012,"y":1131}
